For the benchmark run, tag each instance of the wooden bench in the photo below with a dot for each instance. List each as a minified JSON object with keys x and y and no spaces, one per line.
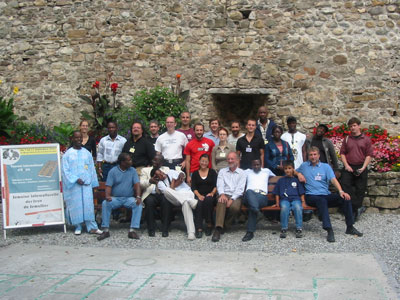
{"x":100,"y":195}
{"x":271,"y":185}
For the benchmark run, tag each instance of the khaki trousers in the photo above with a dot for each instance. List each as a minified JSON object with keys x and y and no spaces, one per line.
{"x":230,"y":213}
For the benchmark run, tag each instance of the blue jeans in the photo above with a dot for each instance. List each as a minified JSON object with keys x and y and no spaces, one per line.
{"x":286,"y":207}
{"x":323,"y":202}
{"x":254,"y":201}
{"x":117,"y":202}
{"x":105,"y":168}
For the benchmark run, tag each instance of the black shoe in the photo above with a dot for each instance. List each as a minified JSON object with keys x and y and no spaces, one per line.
{"x":248,"y":236}
{"x":133,"y":235}
{"x":199,"y":234}
{"x":208,"y":231}
{"x":103,"y":236}
{"x":152,"y":233}
{"x":299,"y":233}
{"x":216,"y":235}
{"x":353,"y":231}
{"x":283,"y":234}
{"x":331,"y":236}
{"x":165,"y":234}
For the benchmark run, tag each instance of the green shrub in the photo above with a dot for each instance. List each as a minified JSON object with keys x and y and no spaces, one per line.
{"x":157,"y":104}
{"x":7,"y":116}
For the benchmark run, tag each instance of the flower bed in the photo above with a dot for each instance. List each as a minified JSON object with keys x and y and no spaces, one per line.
{"x":386,"y":148}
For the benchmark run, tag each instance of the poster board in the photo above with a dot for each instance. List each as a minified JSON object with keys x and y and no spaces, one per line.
{"x":31,"y":185}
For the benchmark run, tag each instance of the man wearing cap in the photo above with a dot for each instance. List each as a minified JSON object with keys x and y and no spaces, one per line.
{"x":326,"y":149}
{"x":295,"y":139}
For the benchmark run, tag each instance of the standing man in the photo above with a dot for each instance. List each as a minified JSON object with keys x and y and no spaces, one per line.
{"x":110,"y":147}
{"x":196,"y":148}
{"x":296,"y":141}
{"x":185,"y":126}
{"x":79,"y":178}
{"x":122,"y":190}
{"x":356,"y":153}
{"x":139,"y":148}
{"x":213,"y":133}
{"x":256,"y":195}
{"x":154,"y":129}
{"x":235,"y":133}
{"x":325,"y":146}
{"x":171,"y":144}
{"x":250,"y":146}
{"x":264,"y":125}
{"x":317,"y":176}
{"x":230,"y":187}
{"x":152,"y":198}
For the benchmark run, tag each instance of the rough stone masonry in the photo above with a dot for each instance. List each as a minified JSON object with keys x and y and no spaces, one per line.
{"x":316,"y":60}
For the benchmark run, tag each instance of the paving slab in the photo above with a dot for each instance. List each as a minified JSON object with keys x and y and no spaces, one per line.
{"x":57,"y":272}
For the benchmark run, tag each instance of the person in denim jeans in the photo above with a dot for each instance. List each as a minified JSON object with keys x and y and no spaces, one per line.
{"x":122,"y":189}
{"x":289,"y":195}
{"x":256,"y":195}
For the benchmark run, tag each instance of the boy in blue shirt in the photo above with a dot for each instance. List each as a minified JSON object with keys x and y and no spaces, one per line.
{"x":289,"y":195}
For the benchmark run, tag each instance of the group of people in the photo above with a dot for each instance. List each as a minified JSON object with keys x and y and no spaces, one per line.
{"x":206,"y":172}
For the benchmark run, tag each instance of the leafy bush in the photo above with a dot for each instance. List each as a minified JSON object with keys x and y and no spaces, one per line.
{"x":63,"y":132}
{"x":125,"y":117}
{"x":157,"y":104}
{"x":7,"y":116}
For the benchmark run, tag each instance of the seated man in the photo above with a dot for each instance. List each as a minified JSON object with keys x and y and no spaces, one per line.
{"x":174,"y":188}
{"x":230,"y":187}
{"x":152,"y":198}
{"x":317,"y":176}
{"x":121,"y":186}
{"x":256,"y":195}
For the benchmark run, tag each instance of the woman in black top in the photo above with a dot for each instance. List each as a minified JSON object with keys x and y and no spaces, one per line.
{"x":204,"y":186}
{"x":88,"y":141}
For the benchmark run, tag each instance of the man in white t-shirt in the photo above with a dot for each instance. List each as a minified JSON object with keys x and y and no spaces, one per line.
{"x":256,"y":195}
{"x":295,"y":140}
{"x":236,"y":134}
{"x":171,"y":144}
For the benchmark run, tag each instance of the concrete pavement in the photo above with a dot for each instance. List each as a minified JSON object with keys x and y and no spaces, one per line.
{"x":54,"y":272}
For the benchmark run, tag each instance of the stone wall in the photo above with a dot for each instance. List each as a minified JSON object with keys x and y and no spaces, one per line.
{"x":317,"y":60}
{"x":383,"y":193}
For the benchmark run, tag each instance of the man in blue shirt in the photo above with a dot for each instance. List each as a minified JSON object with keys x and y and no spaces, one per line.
{"x":121,"y":186}
{"x":317,"y":176}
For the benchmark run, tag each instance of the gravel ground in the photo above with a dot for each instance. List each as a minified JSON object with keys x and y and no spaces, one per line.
{"x":381,"y":238}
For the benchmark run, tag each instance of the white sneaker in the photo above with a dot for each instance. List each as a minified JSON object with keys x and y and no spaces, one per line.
{"x":78,"y":232}
{"x":191,"y":236}
{"x":96,"y":231}
{"x":193,"y":203}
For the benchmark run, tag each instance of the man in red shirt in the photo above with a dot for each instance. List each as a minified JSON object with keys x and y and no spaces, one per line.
{"x":356,"y":153}
{"x":195,"y":148}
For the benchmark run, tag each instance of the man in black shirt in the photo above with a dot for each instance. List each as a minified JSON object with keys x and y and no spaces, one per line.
{"x":139,"y":148}
{"x":250,"y":146}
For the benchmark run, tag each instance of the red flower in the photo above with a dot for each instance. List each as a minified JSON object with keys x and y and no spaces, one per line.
{"x":114,"y":87}
{"x":96,"y":85}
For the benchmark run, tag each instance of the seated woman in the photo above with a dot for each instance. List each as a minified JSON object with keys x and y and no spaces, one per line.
{"x":276,"y":152}
{"x":220,"y":152}
{"x":204,"y":186}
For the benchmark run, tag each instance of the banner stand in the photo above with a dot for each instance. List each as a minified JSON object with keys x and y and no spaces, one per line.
{"x":31,"y":186}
